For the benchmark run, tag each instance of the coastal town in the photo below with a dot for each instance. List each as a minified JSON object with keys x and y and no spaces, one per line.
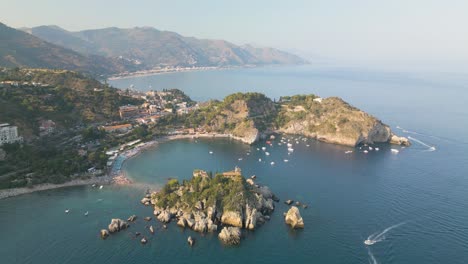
{"x":120,"y":142}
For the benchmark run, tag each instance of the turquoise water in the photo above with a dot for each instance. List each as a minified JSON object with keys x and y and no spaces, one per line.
{"x":350,"y":196}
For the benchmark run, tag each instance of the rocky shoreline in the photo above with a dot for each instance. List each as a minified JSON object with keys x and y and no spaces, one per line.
{"x":226,"y":204}
{"x":208,"y":203}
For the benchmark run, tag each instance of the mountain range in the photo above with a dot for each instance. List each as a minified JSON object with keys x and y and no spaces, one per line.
{"x":19,"y":49}
{"x":117,"y":50}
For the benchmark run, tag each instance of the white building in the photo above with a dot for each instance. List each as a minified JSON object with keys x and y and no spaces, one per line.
{"x":9,"y":134}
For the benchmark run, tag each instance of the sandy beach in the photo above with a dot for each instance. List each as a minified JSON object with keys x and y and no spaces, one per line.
{"x":49,"y":186}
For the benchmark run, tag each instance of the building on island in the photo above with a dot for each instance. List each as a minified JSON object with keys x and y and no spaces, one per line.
{"x":235,"y":173}
{"x":9,"y":134}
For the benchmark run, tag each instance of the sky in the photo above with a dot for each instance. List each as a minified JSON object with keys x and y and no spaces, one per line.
{"x":398,"y":31}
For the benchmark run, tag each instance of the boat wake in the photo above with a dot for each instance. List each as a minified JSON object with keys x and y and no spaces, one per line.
{"x":372,"y":259}
{"x":378,"y":237}
{"x":429,"y":148}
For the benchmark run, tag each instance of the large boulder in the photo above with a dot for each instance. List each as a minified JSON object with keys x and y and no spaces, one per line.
{"x":200,"y":225}
{"x":146,"y":201}
{"x":190,"y":241}
{"x":104,"y":233}
{"x":230,"y":235}
{"x":210,"y":226}
{"x":164,"y":216}
{"x":190,"y":222}
{"x":117,"y":224}
{"x":396,"y":140}
{"x":294,"y":218}
{"x":232,"y":218}
{"x":182,"y":222}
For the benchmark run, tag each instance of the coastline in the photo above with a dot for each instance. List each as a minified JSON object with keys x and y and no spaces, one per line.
{"x":170,"y":71}
{"x":116,"y":175}
{"x":6,"y":193}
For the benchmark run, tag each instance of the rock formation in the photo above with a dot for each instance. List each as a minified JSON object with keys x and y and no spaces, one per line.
{"x":230,"y":235}
{"x":294,"y":218}
{"x":117,"y":225}
{"x":205,"y":202}
{"x":104,"y":233}
{"x":251,"y":116}
{"x":190,"y":241}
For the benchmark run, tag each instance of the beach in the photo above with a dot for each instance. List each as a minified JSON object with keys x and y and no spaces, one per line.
{"x":49,"y":186}
{"x":115,"y":175}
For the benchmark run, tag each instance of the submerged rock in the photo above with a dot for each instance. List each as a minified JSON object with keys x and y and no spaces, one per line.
{"x":117,"y":224}
{"x":144,"y":240}
{"x":293,"y":218}
{"x":147,"y":218}
{"x":230,"y":235}
{"x":289,"y":202}
{"x":132,"y":218}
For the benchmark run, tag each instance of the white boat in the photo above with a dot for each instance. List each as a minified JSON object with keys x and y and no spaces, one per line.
{"x":370,"y":148}
{"x":377,"y":149}
{"x":100,"y":187}
{"x":369,"y":242}
{"x":211,"y":152}
{"x":272,"y":163}
{"x":286,"y":160}
{"x":263,"y":148}
{"x":258,"y":149}
{"x":240,"y":159}
{"x":289,"y":145}
{"x":365,"y":151}
{"x":348,"y":151}
{"x":307,"y":145}
{"x":259,"y":160}
{"x":395,"y":151}
{"x":279,"y":144}
{"x":290,"y":150}
{"x":67,"y":211}
{"x":267,"y":153}
{"x":86,"y":214}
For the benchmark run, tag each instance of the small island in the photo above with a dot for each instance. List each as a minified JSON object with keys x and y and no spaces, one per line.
{"x":207,"y":203}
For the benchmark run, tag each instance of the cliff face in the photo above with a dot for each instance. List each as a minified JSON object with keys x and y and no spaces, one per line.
{"x":244,"y":116}
{"x":332,"y":120}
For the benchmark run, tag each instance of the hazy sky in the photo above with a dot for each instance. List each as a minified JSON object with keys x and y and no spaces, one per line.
{"x":370,"y":30}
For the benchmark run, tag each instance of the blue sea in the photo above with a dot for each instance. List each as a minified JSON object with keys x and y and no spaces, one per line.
{"x":413,"y":204}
